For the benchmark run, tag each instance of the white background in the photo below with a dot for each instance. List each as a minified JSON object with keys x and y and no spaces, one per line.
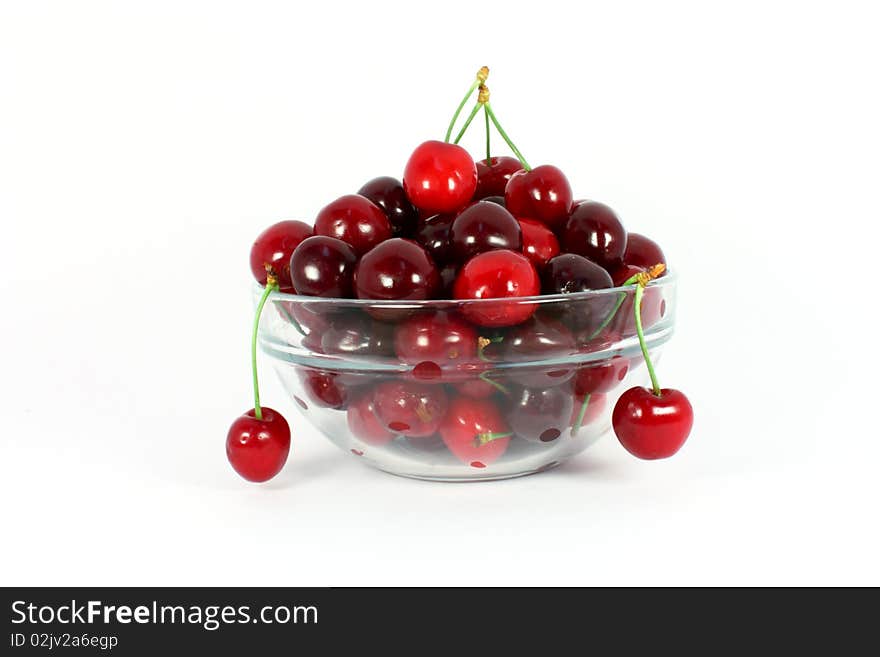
{"x":144,"y":145}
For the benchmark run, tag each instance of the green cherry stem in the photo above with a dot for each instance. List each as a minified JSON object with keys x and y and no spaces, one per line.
{"x":482,"y":74}
{"x":271,"y":286}
{"x":492,"y":382}
{"x":503,"y":134}
{"x":578,"y":423}
{"x":483,"y":438}
{"x":488,"y":132}
{"x":467,"y":123}
{"x":640,"y":292}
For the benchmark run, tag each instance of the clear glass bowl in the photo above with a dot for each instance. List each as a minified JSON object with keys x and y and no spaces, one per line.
{"x":359,"y":372}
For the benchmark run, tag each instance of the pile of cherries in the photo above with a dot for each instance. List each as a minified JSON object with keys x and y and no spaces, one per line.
{"x":458,"y":229}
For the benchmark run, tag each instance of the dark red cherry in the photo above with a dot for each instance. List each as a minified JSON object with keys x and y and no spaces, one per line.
{"x":474,"y":431}
{"x":595,"y":232}
{"x":539,"y":244}
{"x":642,"y":251}
{"x":440,"y":177}
{"x":397,"y":269}
{"x":413,"y":409}
{"x":323,"y":267}
{"x":387,"y":193}
{"x":258,"y":449}
{"x":569,"y":273}
{"x":601,"y":376}
{"x":540,"y":415}
{"x":363,"y":423}
{"x":497,"y":200}
{"x":623,"y":272}
{"x":542,"y":193}
{"x":358,"y":335}
{"x":273,"y":248}
{"x":448,"y":272}
{"x":586,"y":411}
{"x":492,"y":176}
{"x":437,"y":340}
{"x":324,"y":388}
{"x":355,"y":220}
{"x":484,"y":227}
{"x":433,"y":234}
{"x":497,"y":275}
{"x":539,"y":338}
{"x":651,"y":426}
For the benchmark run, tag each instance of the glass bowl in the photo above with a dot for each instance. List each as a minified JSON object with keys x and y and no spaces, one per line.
{"x":417,"y":389}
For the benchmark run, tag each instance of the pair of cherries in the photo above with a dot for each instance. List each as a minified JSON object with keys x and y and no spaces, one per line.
{"x":427,"y":238}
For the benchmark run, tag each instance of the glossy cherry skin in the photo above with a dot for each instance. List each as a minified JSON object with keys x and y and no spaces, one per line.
{"x":272,"y":250}
{"x":542,"y":193}
{"x":358,"y":335}
{"x":433,"y":234}
{"x":623,"y":272}
{"x":650,"y":426}
{"x":601,"y":377}
{"x":465,"y":422}
{"x":413,"y":409}
{"x":484,"y":227}
{"x":539,"y":244}
{"x":363,"y":423}
{"x":539,"y":338}
{"x":594,"y":409}
{"x":442,"y":340}
{"x":492,"y":179}
{"x":540,"y":415}
{"x":595,"y":232}
{"x":355,"y":220}
{"x":569,"y":273}
{"x":258,"y":449}
{"x":324,"y":388}
{"x":323,"y":267}
{"x":397,"y":269}
{"x":387,"y":193}
{"x":642,"y":251}
{"x":440,"y":177}
{"x":498,"y":274}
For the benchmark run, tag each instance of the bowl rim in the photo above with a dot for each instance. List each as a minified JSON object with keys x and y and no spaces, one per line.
{"x":669,"y":279}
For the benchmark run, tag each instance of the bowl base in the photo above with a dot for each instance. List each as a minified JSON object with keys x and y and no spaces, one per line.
{"x":489,"y":476}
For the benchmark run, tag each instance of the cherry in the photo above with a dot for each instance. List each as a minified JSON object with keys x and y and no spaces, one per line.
{"x":439,"y":177}
{"x":363,"y":423}
{"x":323,"y":267}
{"x":474,"y":431}
{"x":397,"y":269}
{"x":433,"y":234}
{"x":493,"y":175}
{"x":355,"y":220}
{"x":448,"y":272}
{"x":497,"y":200}
{"x":476,"y":383}
{"x":324,"y":388}
{"x":413,"y":409}
{"x":542,"y":193}
{"x":569,"y":273}
{"x":442,"y":340}
{"x":272,"y":250}
{"x":539,"y":244}
{"x":652,"y":426}
{"x":594,"y":231}
{"x":652,"y":303}
{"x":623,"y":272}
{"x":538,"y":339}
{"x":258,"y":449}
{"x":540,"y":415}
{"x":585,"y":411}
{"x":484,"y":227}
{"x":387,"y":193}
{"x":493,"y":275}
{"x":642,"y":251}
{"x":358,"y":335}
{"x":601,"y":377}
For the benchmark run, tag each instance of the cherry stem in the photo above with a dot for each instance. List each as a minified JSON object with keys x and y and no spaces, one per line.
{"x":519,"y":156}
{"x":271,"y":286}
{"x":645,"y":277}
{"x":580,"y":418}
{"x":467,"y":123}
{"x":461,"y":105}
{"x":482,"y":438}
{"x":640,"y":292}
{"x":492,"y":382}
{"x":488,"y":149}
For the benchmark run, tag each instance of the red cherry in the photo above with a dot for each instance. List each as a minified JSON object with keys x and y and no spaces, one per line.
{"x":273,"y":248}
{"x":387,"y":193}
{"x":540,"y":415}
{"x":542,"y":193}
{"x":539,"y":338}
{"x":492,"y":178}
{"x":642,"y":252}
{"x":324,"y":388}
{"x":472,"y":385}
{"x":357,"y":335}
{"x":258,"y":449}
{"x":323,"y":267}
{"x":651,"y":426}
{"x":396,"y":269}
{"x":355,"y":220}
{"x":539,"y":244}
{"x":474,"y":431}
{"x":498,"y":274}
{"x":442,"y":340}
{"x":595,"y":232}
{"x":601,"y":377}
{"x":594,"y":409}
{"x":439,"y":177}
{"x":623,"y":272}
{"x":363,"y":423}
{"x":484,"y":227}
{"x":413,"y":409}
